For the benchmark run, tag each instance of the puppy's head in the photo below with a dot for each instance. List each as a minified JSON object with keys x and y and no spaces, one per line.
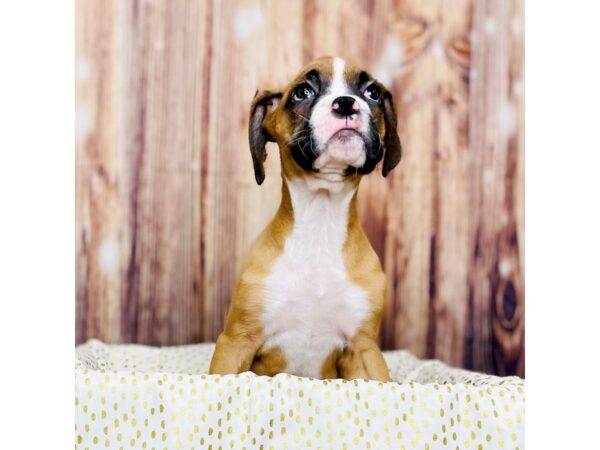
{"x":332,"y":121}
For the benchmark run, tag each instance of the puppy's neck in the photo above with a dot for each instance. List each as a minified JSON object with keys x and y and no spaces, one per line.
{"x":318,"y":202}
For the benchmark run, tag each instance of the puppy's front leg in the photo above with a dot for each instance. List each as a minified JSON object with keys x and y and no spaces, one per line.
{"x":233,"y":354}
{"x":363,"y":359}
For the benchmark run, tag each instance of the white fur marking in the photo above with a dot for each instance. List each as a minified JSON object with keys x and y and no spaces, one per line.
{"x":338,"y":154}
{"x":338,"y":83}
{"x":311,"y":306}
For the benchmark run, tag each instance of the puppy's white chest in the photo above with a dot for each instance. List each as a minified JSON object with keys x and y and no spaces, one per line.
{"x":311,"y":306}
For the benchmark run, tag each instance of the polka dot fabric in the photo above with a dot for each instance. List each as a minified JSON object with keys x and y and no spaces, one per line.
{"x":137,"y":397}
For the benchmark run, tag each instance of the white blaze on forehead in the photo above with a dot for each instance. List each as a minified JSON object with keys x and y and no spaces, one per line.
{"x":324,"y":123}
{"x":338,"y":81}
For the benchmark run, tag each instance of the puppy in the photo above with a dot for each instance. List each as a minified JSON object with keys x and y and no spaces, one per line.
{"x":311,"y":291}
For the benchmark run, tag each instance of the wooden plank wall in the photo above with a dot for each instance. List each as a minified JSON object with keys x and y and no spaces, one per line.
{"x":166,"y":200}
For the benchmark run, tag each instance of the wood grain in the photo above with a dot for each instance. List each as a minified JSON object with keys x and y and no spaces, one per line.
{"x":167,"y":206}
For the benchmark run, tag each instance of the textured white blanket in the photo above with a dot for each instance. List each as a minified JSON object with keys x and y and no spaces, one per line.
{"x":133,"y":396}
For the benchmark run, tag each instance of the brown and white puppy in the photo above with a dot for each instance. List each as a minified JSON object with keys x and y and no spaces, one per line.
{"x":311,"y":292}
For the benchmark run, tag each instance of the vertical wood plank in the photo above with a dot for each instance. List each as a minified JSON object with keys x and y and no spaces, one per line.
{"x":99,"y":212}
{"x":449,"y":252}
{"x":496,"y":288}
{"x":255,"y":49}
{"x":410,"y":213}
{"x":219,"y":232}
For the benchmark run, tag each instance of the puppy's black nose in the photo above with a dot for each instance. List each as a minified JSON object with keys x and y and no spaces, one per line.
{"x":344,"y":106}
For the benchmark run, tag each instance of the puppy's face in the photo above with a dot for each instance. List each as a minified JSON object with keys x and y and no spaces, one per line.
{"x":333,"y":121}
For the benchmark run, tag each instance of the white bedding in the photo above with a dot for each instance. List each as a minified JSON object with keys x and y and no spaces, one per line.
{"x":139,"y":397}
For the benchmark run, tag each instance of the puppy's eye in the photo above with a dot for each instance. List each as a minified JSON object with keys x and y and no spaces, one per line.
{"x":373,"y":92}
{"x":302,"y":92}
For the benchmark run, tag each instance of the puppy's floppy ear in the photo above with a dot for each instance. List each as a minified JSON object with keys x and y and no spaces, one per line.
{"x":263,"y":104}
{"x":391,"y":141}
